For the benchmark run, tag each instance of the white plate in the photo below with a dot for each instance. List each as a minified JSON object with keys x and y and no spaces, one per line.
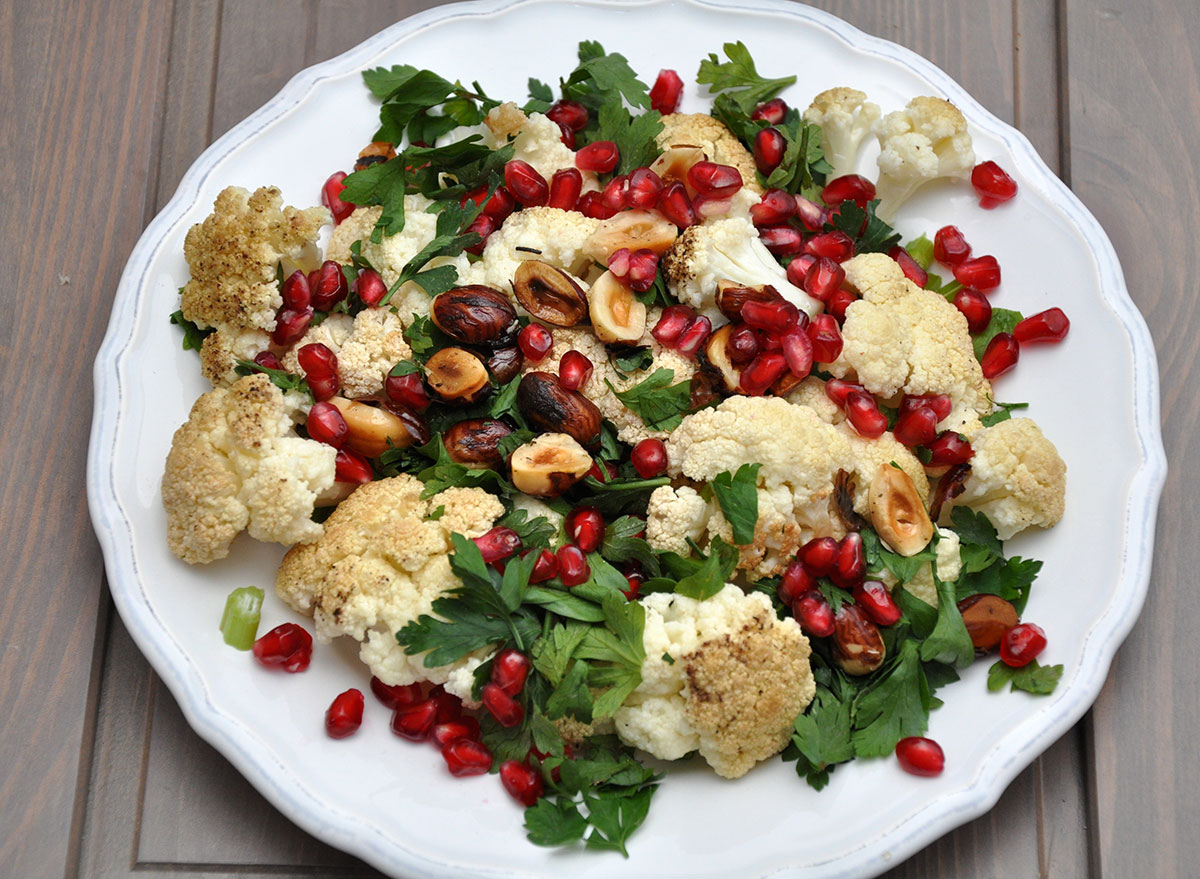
{"x":391,"y":803}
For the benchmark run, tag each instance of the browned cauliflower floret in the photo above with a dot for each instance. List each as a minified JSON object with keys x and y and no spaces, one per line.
{"x":711,"y":135}
{"x":237,"y":464}
{"x":367,"y":346}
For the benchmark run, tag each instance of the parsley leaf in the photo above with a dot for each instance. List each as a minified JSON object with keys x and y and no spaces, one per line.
{"x":737,"y":494}
{"x":380,"y":184}
{"x":620,"y":544}
{"x":1040,"y":680}
{"x":631,"y":359}
{"x":535,"y":532}
{"x":618,"y":647}
{"x":553,"y":652}
{"x":193,"y":336}
{"x":1011,"y":579}
{"x":877,"y":237}
{"x":949,"y":642}
{"x":921,"y":250}
{"x":615,"y":816}
{"x":554,"y":822}
{"x":822,"y":737}
{"x":707,"y":577}
{"x":447,"y":241}
{"x":602,"y":76}
{"x":739,"y":78}
{"x":1004,"y":320}
{"x":281,"y":378}
{"x":571,"y":696}
{"x":893,"y":706}
{"x":656,"y":401}
{"x":633,"y":135}
{"x":1003,"y":413}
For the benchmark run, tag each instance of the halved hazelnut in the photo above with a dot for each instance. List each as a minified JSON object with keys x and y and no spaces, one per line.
{"x":475,"y":443}
{"x":549,"y":465}
{"x":618,"y":318}
{"x":730,"y":297}
{"x":374,"y":153}
{"x":857,"y":645}
{"x":373,"y":430}
{"x":475,"y":315}
{"x":456,"y":375}
{"x":549,"y":294}
{"x":672,"y":166}
{"x":718,"y":358}
{"x":633,"y":229}
{"x":897,"y":512}
{"x":548,"y":406}
{"x":987,"y":618}
{"x":786,"y":383}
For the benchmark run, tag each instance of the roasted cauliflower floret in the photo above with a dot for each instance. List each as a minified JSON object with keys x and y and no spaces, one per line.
{"x":846,"y":117}
{"x":674,"y":516}
{"x":1018,"y":480}
{"x":714,"y":138}
{"x":381,"y":564}
{"x":221,"y":350}
{"x":237,"y":464}
{"x":551,"y":235}
{"x":736,"y":679}
{"x":367,"y":346}
{"x":926,"y":140}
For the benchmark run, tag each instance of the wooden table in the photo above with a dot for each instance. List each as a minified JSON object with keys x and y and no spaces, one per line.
{"x":106,"y":105}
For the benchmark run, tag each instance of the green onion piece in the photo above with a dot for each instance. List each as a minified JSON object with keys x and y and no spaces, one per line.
{"x":239,"y":623}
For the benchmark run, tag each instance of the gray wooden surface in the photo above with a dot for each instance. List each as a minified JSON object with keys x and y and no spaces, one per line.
{"x":107,"y":104}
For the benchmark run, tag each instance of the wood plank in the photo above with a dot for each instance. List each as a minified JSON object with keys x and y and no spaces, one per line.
{"x":1134,"y":93}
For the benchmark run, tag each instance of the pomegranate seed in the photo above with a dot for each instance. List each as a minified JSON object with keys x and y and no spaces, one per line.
{"x":864,"y":415}
{"x":353,"y":468}
{"x":331,"y":193}
{"x":643,"y":269}
{"x":297,"y":295}
{"x":741,"y":346}
{"x":666,"y":92}
{"x":873,"y":597}
{"x":535,"y":342}
{"x":317,"y":360}
{"x":823,"y":278}
{"x":814,"y":614}
{"x":798,"y":350}
{"x":634,"y":581}
{"x":857,"y":189}
{"x":394,"y":695}
{"x":407,"y":390}
{"x":836,"y":245}
{"x":600,"y":157}
{"x":950,"y":246}
{"x":769,"y":147}
{"x":330,"y":288}
{"x":565,"y":187}
{"x":590,"y":205}
{"x":585,"y":526}
{"x":839,"y":300}
{"x":920,"y":756}
{"x":545,"y":568}
{"x":499,"y":543}
{"x":851,"y":563}
{"x":454,"y":730}
{"x":326,"y":425}
{"x":771,"y":112}
{"x":911,"y":268}
{"x":775,"y":207}
{"x":522,"y":783}
{"x":1000,"y":356}
{"x":370,"y":287}
{"x":574,"y":370}
{"x":510,"y":668}
{"x":675,"y":205}
{"x":526,"y":185}
{"x":414,"y":722}
{"x":993,"y":184}
{"x":949,"y":449}
{"x":694,"y":335}
{"x":504,"y":708}
{"x":344,"y":715}
{"x":975,"y":308}
{"x":671,"y":324}
{"x":569,"y":113}
{"x":287,"y":645}
{"x":776,"y":314}
{"x":567,"y":136}
{"x":573,"y":567}
{"x":916,"y":428}
{"x":615,"y":195}
{"x":1021,"y":644}
{"x":719,"y":181}
{"x":649,"y":458}
{"x":324,"y":387}
{"x":798,"y":268}
{"x":645,"y":189}
{"x":838,"y":390}
{"x":981,"y":273}
{"x":465,"y":757}
{"x":811,"y":214}
{"x":483,"y":226}
{"x":1050,"y":325}
{"x":826,"y":338}
{"x":762,"y":372}
{"x":819,"y":555}
{"x":796,"y":580}
{"x":602,"y":471}
{"x":267,"y":360}
{"x":290,"y":326}
{"x":941,"y":404}
{"x":782,"y":240}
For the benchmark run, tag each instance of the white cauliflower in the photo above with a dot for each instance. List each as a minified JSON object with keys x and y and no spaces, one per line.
{"x":238,"y":464}
{"x":367,"y":346}
{"x":536,"y":139}
{"x":811,"y":393}
{"x":926,"y":140}
{"x":725,"y":249}
{"x":1018,"y":479}
{"x":380,"y":565}
{"x":712,"y":136}
{"x":736,"y":679}
{"x":846,"y":118}
{"x":222,"y":349}
{"x":674,"y":516}
{"x":551,"y":235}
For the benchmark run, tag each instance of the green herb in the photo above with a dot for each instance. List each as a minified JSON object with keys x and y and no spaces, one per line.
{"x":708,"y":576}
{"x":541,"y":96}
{"x":635,"y":136}
{"x":947,"y":289}
{"x":239,"y":621}
{"x":739,"y":79}
{"x":894,"y":706}
{"x":193,"y":336}
{"x":877,"y":237}
{"x":620,"y":544}
{"x":447,"y":241}
{"x":572,"y":697}
{"x":281,"y":378}
{"x":602,"y":78}
{"x":1011,"y":579}
{"x":1040,"y":680}
{"x":668,"y":659}
{"x":552,"y":653}
{"x":565,"y":603}
{"x":380,"y":184}
{"x":445,"y":473}
{"x":618,"y":650}
{"x":403,"y":368}
{"x":803,"y":163}
{"x":618,"y":495}
{"x":822,"y":738}
{"x":1003,"y":413}
{"x":737,"y":494}
{"x":629,"y":360}
{"x":921,"y":250}
{"x":660,"y":404}
{"x":1004,"y":320}
{"x":949,"y":642}
{"x":535,"y":532}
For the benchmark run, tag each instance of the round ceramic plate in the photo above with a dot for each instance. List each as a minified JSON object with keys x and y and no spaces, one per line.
{"x":392,"y":803}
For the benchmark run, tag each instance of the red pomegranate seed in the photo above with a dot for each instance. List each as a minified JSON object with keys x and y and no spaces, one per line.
{"x":649,"y":458}
{"x":769,"y":147}
{"x":671,"y":324}
{"x":857,"y":189}
{"x":719,"y":181}
{"x":836,"y":245}
{"x":811,"y":214}
{"x":574,"y":370}
{"x":777,"y":315}
{"x":569,"y":113}
{"x":331,"y":193}
{"x":585,"y":526}
{"x":394,"y":695}
{"x":675,"y":205}
{"x":324,"y":387}
{"x":911,"y":268}
{"x":796,"y":580}
{"x":771,"y":112}
{"x":317,"y":360}
{"x":407,"y":390}
{"x":920,"y":756}
{"x":573,"y":567}
{"x":565,"y":187}
{"x":782,"y":240}
{"x":814,"y":614}
{"x":643,"y":269}
{"x":522,"y":783}
{"x":823,"y":278}
{"x":762,"y":372}
{"x":819,"y":555}
{"x":634,"y":581}
{"x":535,"y":342}
{"x":950,"y":246}
{"x":331,"y":287}
{"x":602,"y":471}
{"x":851,"y":563}
{"x":838,"y":390}
{"x":1000,"y":356}
{"x":567,"y":136}
{"x":975,"y":308}
{"x":798,"y":268}
{"x":499,"y":543}
{"x":916,"y":428}
{"x":1050,"y":325}
{"x":453,"y":730}
{"x":465,"y":757}
{"x":826,"y":338}
{"x":370,"y":287}
{"x":645,"y":189}
{"x":741,"y":346}
{"x":776,"y":206}
{"x":694,"y":335}
{"x":483,"y":226}
{"x":504,"y":708}
{"x":326,"y":425}
{"x":981,"y":273}
{"x":873,"y":597}
{"x":993,"y":184}
{"x":798,"y":350}
{"x":1021,"y":644}
{"x":344,"y":715}
{"x":839,"y":301}
{"x":545,"y":568}
{"x":941,"y":404}
{"x":600,"y":157}
{"x":590,"y":205}
{"x":510,"y":668}
{"x":297,"y":295}
{"x":527,"y":186}
{"x":353,"y":468}
{"x":290,"y":326}
{"x":864,"y":415}
{"x":287,"y":645}
{"x":414,"y":722}
{"x":666,"y":92}
{"x":449,"y":707}
{"x":268,"y":360}
{"x":615,"y":195}
{"x":949,"y":449}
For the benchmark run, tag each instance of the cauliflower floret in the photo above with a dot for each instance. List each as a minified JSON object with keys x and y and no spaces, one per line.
{"x":674,"y":516}
{"x":949,"y":568}
{"x":536,"y":139}
{"x":871,"y":454}
{"x":711,"y":135}
{"x":367,"y":347}
{"x":737,"y":679}
{"x":726,"y":249}
{"x":926,"y":140}
{"x":846,"y":117}
{"x":237,"y":464}
{"x":221,"y":350}
{"x":381,"y":564}
{"x":1018,"y":479}
{"x":548,"y":234}
{"x":811,"y":393}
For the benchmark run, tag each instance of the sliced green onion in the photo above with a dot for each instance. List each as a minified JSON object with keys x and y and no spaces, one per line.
{"x":239,"y":622}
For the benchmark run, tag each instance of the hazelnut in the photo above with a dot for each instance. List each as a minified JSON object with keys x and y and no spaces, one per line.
{"x":475,"y":443}
{"x":618,"y":317}
{"x":987,"y":618}
{"x":717,"y":357}
{"x":730,"y":297}
{"x":897,"y":512}
{"x":374,"y":430}
{"x":456,"y":376}
{"x":636,"y":230}
{"x":505,"y":363}
{"x":548,"y":406}
{"x":549,"y":465}
{"x":549,"y":294}
{"x":475,"y":315}
{"x":857,"y":645}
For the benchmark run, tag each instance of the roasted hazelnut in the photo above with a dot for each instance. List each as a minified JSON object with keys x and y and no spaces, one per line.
{"x":475,"y":443}
{"x":731,"y":297}
{"x":857,"y":645}
{"x":549,"y":294}
{"x":475,"y":315}
{"x":786,"y":383}
{"x":717,"y":358}
{"x":987,"y":618}
{"x":374,"y":430}
{"x":897,"y":512}
{"x":505,"y":363}
{"x":702,"y":390}
{"x":456,"y":376}
{"x":672,"y":166}
{"x":373,"y":154}
{"x":618,"y":317}
{"x":549,"y":465}
{"x":548,"y":406}
{"x":636,"y":230}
